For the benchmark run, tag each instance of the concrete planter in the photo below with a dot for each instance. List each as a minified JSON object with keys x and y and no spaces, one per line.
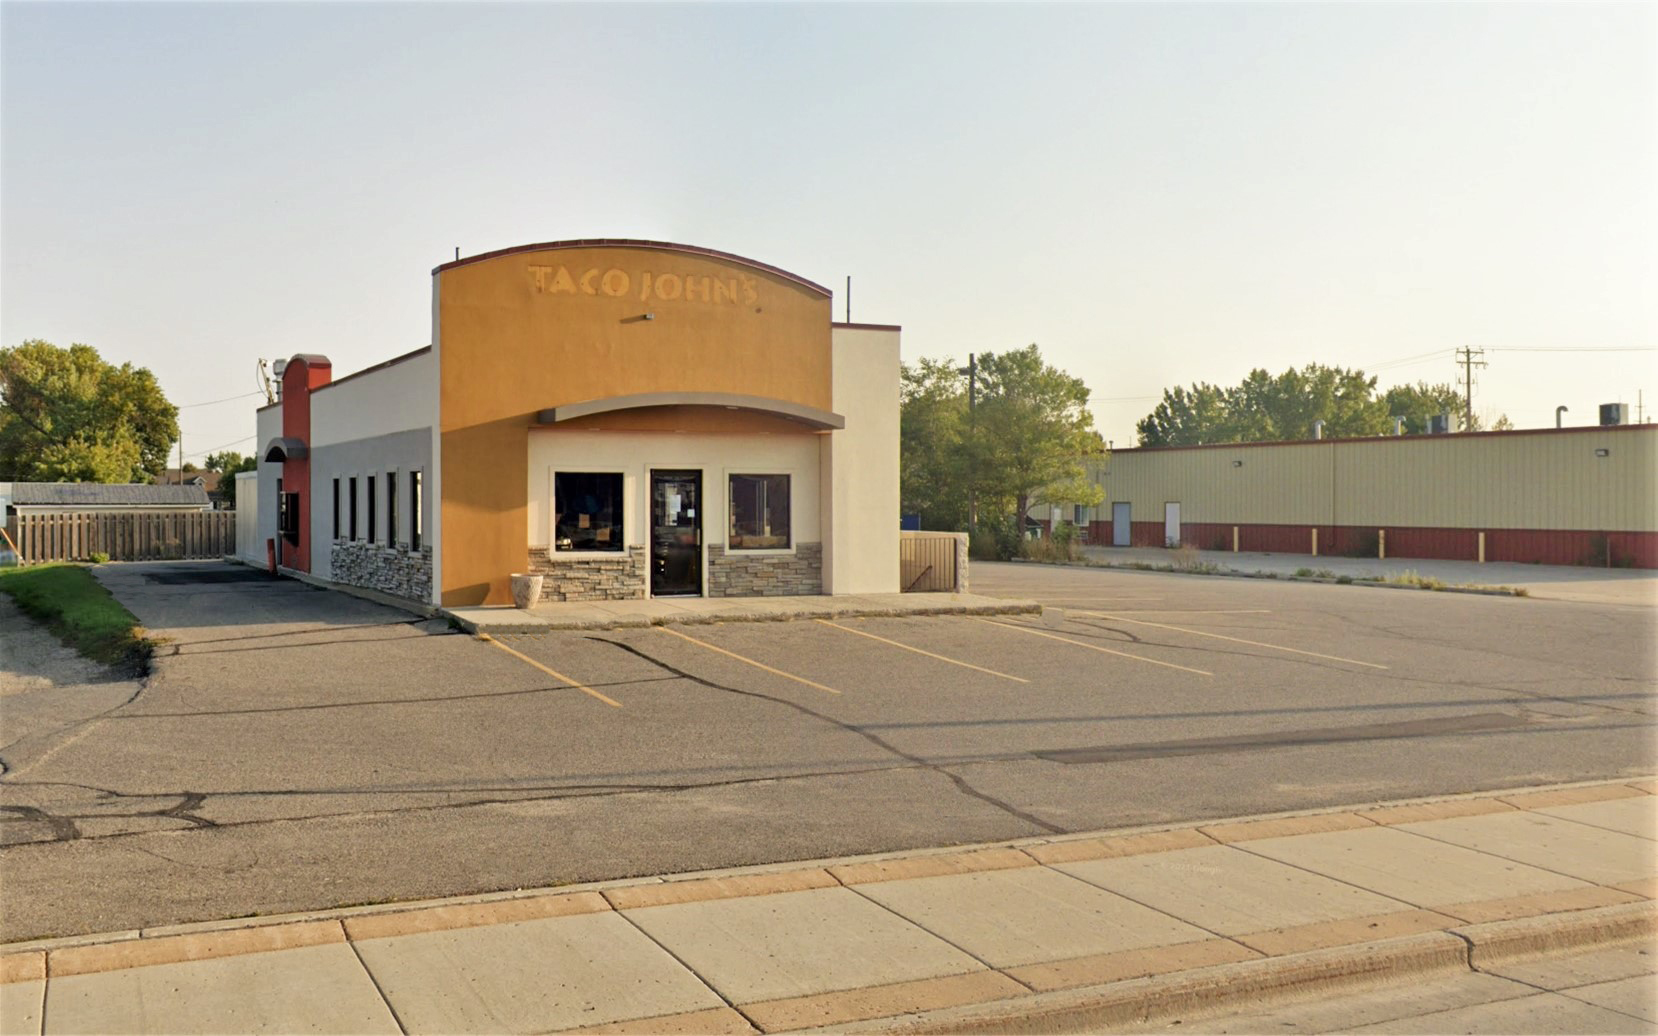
{"x":526,"y":589}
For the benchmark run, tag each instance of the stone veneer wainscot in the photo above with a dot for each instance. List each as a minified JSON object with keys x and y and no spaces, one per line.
{"x":620,"y":577}
{"x":397,"y":570}
{"x":738,"y":573}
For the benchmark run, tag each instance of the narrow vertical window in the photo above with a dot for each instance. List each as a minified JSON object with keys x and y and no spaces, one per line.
{"x":337,"y":529}
{"x":353,"y":505}
{"x":391,"y":509}
{"x":415,"y":527}
{"x":369,"y":493}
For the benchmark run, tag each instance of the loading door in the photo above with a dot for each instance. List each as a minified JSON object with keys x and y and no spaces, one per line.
{"x":1120,"y":526}
{"x":1171,"y":524}
{"x":676,"y":534}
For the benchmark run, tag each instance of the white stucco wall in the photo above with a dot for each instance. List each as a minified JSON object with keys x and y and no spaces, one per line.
{"x":395,"y":398}
{"x":268,"y":423}
{"x":636,"y":453}
{"x":860,"y":465}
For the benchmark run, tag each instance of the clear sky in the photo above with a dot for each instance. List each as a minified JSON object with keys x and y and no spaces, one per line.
{"x":1154,"y":194}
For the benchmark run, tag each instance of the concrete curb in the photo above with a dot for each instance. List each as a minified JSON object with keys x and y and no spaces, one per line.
{"x":1498,"y":942}
{"x":1237,"y":573}
{"x":1212,"y":989}
{"x":1040,"y":849}
{"x":1008,"y":607}
{"x":1252,"y":983}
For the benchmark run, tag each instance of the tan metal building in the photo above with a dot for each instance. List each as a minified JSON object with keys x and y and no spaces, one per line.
{"x":1554,"y":496}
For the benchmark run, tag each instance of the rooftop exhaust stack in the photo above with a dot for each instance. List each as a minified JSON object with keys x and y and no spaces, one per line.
{"x":1398,"y":426}
{"x":1614,"y":414}
{"x":1439,"y":424}
{"x":1318,"y":429}
{"x":1561,"y":409}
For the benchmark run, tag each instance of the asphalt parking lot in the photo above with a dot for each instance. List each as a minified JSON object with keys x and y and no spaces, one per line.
{"x":300,"y":749}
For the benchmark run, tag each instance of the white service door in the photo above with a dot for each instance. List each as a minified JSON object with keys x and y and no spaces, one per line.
{"x":1171,"y":524}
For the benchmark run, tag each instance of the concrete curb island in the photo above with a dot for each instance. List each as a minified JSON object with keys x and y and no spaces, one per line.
{"x":1239,"y":573}
{"x":1097,"y":929}
{"x":597,"y":615}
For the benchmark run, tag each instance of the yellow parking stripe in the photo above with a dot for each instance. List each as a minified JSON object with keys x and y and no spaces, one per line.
{"x":555,"y":674}
{"x":1093,"y":647}
{"x":749,"y":661}
{"x":1235,"y":640}
{"x":929,"y":654}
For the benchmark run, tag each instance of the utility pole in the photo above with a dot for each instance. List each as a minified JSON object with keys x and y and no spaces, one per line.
{"x":1466,"y":356}
{"x":971,"y":371}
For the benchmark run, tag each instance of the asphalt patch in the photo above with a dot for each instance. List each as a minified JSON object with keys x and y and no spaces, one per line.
{"x":238,"y":574}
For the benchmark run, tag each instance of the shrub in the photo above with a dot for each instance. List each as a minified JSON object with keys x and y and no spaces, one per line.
{"x":1051,"y":549}
{"x":99,"y":557}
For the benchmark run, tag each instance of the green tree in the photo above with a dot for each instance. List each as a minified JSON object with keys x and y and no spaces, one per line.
{"x":66,"y":415}
{"x":1028,"y":437}
{"x":932,"y":477}
{"x":1187,"y":418}
{"x":1268,"y":408}
{"x":228,"y":464}
{"x":1416,"y":403}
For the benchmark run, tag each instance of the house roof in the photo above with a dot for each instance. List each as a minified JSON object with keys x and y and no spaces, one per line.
{"x":92,"y":494}
{"x":209,"y":480}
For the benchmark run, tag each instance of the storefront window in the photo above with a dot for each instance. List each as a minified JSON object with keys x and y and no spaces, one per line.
{"x":759,"y":512}
{"x":587,"y":511}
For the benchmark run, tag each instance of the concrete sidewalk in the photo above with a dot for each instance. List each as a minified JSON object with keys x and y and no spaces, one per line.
{"x":1638,"y":587}
{"x":1098,"y":930}
{"x":660,"y":611}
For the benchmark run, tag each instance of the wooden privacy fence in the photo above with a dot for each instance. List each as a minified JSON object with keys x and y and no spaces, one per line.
{"x":141,"y":536}
{"x":932,"y":562}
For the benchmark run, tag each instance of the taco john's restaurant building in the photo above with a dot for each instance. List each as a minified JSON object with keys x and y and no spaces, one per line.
{"x":631,"y":419}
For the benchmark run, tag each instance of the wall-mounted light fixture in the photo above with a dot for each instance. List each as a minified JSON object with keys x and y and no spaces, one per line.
{"x":1237,"y":464}
{"x":1603,"y":452}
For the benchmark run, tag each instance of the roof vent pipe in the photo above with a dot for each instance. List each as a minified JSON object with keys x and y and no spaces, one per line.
{"x":1557,"y":412}
{"x":1398,"y":426}
{"x":1318,"y":429}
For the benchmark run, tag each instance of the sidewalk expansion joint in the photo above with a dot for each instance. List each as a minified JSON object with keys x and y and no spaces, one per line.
{"x":682,"y":962}
{"x":378,"y":989}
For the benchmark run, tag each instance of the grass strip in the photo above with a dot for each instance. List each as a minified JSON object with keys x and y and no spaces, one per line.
{"x":76,"y":607}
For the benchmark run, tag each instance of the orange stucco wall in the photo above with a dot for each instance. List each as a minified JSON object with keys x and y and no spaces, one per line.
{"x":531,"y":329}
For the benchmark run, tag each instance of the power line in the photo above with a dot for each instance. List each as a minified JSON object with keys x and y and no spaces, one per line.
{"x":216,"y":449}
{"x":211,"y":402}
{"x":1404,"y":361}
{"x":1567,"y":349}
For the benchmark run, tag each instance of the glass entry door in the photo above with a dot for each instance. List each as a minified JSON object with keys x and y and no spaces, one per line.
{"x":676,"y":534}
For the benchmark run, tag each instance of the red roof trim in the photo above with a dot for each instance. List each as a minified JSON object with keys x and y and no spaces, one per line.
{"x":866,"y":327}
{"x":622,"y":242}
{"x":1580,"y":430}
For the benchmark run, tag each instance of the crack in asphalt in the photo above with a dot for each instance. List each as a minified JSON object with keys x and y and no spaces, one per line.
{"x":916,"y":761}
